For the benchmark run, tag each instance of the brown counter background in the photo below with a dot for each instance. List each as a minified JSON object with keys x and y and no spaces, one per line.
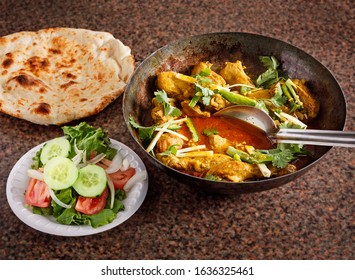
{"x":309,"y":218}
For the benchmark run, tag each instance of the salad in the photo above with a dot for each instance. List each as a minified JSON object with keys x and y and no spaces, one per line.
{"x":80,"y":178}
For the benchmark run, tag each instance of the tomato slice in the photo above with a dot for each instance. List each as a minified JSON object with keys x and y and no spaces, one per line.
{"x":120,"y":178}
{"x":37,"y":193}
{"x":91,"y":205}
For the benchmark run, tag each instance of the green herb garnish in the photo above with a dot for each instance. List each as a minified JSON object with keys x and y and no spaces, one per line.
{"x":210,"y":131}
{"x":169,"y":110}
{"x":145,"y":133}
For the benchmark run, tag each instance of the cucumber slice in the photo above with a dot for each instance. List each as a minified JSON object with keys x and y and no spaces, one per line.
{"x":60,"y":173}
{"x":91,"y":181}
{"x":54,"y":148}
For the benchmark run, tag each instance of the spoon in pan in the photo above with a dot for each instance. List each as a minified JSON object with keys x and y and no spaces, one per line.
{"x":262,"y":120}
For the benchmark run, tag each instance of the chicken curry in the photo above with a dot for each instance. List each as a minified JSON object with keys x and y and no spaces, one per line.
{"x":186,"y":136}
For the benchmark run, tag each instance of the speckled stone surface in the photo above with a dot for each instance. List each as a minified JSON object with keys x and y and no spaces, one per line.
{"x":309,"y":218}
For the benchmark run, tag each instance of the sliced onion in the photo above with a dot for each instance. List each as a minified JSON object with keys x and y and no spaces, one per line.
{"x":76,"y":149}
{"x":55,"y":198}
{"x":183,"y":137}
{"x":112,"y":190}
{"x":125,"y":164}
{"x":240,"y":85}
{"x":191,"y":149}
{"x":157,"y":136}
{"x":196,"y":154}
{"x":81,"y":165}
{"x":77,"y":159}
{"x":115,"y":165}
{"x":35,"y":174}
{"x":136,"y":178}
{"x":84,"y":156}
{"x":97,"y":159}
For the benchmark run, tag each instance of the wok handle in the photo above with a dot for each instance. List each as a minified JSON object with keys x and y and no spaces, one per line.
{"x":316,"y":137}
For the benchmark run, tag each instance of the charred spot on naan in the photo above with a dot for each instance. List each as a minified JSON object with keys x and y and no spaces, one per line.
{"x":66,"y":85}
{"x":54,"y":51}
{"x":69,"y":75}
{"x":7,"y":63}
{"x":36,"y":64}
{"x":66,"y":63}
{"x":41,"y":108}
{"x":28,"y":82}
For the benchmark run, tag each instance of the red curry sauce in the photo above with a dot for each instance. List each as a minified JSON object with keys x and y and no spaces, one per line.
{"x":232,"y":129}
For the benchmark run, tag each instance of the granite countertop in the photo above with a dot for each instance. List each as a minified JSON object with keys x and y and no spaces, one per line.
{"x":309,"y":218}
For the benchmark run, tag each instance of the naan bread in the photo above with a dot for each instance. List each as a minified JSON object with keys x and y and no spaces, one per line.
{"x":57,"y":75}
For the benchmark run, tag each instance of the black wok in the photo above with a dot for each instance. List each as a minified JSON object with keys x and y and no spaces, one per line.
{"x":220,"y":47}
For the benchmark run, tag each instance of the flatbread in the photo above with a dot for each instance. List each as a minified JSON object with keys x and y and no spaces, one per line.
{"x":57,"y":75}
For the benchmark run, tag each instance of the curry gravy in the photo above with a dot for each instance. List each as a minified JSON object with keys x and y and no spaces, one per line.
{"x":234,"y":130}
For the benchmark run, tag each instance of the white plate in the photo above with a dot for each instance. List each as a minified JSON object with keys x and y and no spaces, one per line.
{"x":17,"y":184}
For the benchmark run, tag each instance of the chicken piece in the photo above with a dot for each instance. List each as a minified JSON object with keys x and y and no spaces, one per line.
{"x":167,"y":140}
{"x":233,"y":73}
{"x":194,"y":111}
{"x":218,"y":143}
{"x":214,"y":77}
{"x":176,"y":85}
{"x":310,"y":104}
{"x":290,"y":168}
{"x":217,"y":103}
{"x":261,"y":94}
{"x":235,"y":171}
{"x":158,"y":112}
{"x":194,"y":164}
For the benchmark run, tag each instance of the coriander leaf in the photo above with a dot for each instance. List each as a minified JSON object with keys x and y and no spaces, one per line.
{"x":170,"y":151}
{"x":210,"y":131}
{"x":271,"y":75}
{"x":266,"y":79}
{"x":206,"y":94}
{"x":282,"y":158}
{"x":295,"y":148}
{"x":145,"y":134}
{"x":169,"y":110}
{"x":202,"y":76}
{"x":279,"y":157}
{"x":269,"y":62}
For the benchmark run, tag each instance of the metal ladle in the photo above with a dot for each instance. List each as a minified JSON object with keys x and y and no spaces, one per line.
{"x":262,"y":120}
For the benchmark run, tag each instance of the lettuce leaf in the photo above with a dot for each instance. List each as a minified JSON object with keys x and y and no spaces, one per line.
{"x":90,"y":139}
{"x":72,"y":217}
